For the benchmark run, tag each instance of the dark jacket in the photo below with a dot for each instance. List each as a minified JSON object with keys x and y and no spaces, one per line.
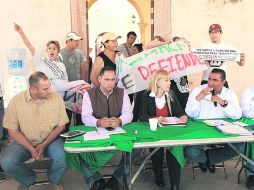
{"x":148,"y":106}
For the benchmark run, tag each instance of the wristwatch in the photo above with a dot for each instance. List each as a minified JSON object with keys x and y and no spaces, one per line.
{"x":225,"y":104}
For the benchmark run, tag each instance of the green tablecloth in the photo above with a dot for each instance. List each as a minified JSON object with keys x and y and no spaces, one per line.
{"x":195,"y":129}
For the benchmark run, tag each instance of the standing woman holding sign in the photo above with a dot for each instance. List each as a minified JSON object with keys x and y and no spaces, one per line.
{"x":106,"y":57}
{"x":51,"y":65}
{"x":159,"y":102}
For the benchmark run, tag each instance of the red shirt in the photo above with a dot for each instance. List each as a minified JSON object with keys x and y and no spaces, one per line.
{"x":163,"y":112}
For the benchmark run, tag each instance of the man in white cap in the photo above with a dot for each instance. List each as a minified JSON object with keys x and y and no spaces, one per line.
{"x":75,"y":63}
{"x":73,"y":59}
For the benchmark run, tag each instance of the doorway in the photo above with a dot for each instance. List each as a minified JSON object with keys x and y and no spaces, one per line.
{"x":118,"y":17}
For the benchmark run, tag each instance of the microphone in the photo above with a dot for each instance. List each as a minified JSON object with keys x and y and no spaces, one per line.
{"x":215,"y":103}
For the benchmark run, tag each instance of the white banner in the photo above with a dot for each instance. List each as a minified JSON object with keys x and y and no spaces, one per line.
{"x":208,"y":54}
{"x":135,"y":71}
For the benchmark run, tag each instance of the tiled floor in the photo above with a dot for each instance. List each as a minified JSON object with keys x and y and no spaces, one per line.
{"x":204,"y":181}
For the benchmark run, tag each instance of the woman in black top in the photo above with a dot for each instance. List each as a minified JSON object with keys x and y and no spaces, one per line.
{"x":160,"y":102}
{"x":106,"y":57}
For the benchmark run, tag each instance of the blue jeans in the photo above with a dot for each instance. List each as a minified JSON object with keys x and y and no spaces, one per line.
{"x":1,"y":118}
{"x":216,"y":155}
{"x":13,"y":157}
{"x":91,"y":177}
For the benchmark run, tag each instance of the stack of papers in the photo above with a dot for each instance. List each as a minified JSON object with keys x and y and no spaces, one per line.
{"x":234,"y":129}
{"x":172,"y":121}
{"x":95,"y":135}
{"x":241,"y":124}
{"x":117,"y":130}
{"x":218,"y":122}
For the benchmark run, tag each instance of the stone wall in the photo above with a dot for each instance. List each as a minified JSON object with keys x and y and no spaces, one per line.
{"x":193,"y":18}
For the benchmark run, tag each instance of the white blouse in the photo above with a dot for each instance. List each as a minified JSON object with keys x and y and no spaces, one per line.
{"x":159,"y":102}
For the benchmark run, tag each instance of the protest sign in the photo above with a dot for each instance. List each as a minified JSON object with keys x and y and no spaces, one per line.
{"x":210,"y":54}
{"x":134,"y":72}
{"x":72,"y":92}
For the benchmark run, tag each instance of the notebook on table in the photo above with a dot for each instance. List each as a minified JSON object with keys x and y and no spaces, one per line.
{"x":234,"y":129}
{"x":172,"y":121}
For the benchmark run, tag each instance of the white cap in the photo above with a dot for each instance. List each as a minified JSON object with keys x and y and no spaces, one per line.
{"x":73,"y":36}
{"x":109,"y":36}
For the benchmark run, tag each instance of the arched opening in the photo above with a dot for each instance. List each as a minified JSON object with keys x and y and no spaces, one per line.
{"x":110,"y":16}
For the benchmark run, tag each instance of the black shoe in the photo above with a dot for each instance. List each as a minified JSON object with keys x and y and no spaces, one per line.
{"x":203,"y":167}
{"x":250,"y":182}
{"x":211,"y":168}
{"x":2,"y":177}
{"x":98,"y":185}
{"x":113,"y":183}
{"x":159,"y":182}
{"x":177,"y":187}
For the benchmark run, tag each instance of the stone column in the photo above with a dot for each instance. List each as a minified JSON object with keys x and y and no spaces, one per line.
{"x":162,"y":18}
{"x":142,"y":27}
{"x":79,"y":23}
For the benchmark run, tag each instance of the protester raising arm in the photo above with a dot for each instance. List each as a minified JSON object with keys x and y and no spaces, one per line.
{"x":28,"y":44}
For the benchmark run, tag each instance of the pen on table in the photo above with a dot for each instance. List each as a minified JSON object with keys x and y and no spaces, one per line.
{"x":70,"y":140}
{"x":219,"y":124}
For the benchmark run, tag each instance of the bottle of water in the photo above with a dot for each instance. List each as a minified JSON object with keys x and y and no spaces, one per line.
{"x":16,"y":61}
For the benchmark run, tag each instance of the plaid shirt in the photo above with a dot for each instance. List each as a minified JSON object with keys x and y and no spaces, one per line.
{"x":35,"y":120}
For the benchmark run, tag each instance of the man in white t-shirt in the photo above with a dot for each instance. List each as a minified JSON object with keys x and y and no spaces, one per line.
{"x":74,"y":59}
{"x":215,"y":33}
{"x":76,"y":67}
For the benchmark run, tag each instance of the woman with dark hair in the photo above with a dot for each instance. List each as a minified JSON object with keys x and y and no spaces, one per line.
{"x":136,"y":48}
{"x":106,"y":58}
{"x":159,"y":102}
